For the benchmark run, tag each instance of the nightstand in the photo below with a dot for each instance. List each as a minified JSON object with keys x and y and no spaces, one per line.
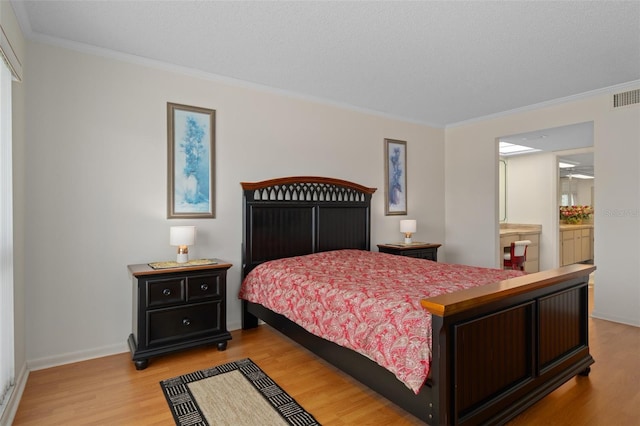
{"x":177,"y":308}
{"x":427,"y":251}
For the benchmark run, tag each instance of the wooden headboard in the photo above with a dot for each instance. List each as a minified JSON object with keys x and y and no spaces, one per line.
{"x":294,"y":216}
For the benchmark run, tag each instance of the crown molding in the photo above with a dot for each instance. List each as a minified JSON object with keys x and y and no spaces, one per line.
{"x":192,"y":72}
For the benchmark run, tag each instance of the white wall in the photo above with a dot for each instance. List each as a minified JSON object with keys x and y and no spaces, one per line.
{"x":96,"y":184}
{"x":471,"y":176}
{"x":583,"y":188}
{"x":617,"y":215}
{"x":471,"y":193}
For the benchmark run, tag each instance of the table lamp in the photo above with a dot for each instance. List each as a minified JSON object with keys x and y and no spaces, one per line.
{"x":408,"y":227}
{"x":183,"y":237}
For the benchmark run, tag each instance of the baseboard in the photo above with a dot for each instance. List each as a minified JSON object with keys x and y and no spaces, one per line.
{"x":11,"y":409}
{"x":613,"y":318}
{"x":234,"y":325}
{"x":68,"y":358}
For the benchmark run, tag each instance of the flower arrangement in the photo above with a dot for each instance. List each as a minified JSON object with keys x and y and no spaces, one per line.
{"x":575,"y":214}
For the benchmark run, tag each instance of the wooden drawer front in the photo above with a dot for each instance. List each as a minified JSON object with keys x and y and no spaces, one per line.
{"x":203,"y":287}
{"x":182,"y":323}
{"x":165,"y":292}
{"x":429,"y":254}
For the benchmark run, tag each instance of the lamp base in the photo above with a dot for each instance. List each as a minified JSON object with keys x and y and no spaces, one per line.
{"x":182,"y":258}
{"x":407,"y":240}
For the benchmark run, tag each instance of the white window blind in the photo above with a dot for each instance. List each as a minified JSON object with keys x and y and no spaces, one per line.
{"x":7,"y":364}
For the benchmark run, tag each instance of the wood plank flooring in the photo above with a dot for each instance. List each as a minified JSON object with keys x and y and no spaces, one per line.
{"x":110,"y":391}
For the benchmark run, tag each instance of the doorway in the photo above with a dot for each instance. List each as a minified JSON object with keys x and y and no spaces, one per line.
{"x":532,"y":183}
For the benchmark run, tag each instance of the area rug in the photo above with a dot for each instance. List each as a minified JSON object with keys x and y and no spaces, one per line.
{"x":237,"y":393}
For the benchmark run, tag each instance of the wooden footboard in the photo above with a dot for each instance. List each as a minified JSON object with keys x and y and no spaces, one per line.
{"x":498,"y":349}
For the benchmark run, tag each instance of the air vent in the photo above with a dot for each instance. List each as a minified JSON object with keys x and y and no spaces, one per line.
{"x":631,"y":97}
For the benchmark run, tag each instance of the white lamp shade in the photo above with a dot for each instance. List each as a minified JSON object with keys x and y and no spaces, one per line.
{"x":408,"y":226}
{"x":182,"y":235}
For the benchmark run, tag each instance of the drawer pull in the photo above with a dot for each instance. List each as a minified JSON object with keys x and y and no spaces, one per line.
{"x":186,"y":321}
{"x":204,"y":287}
{"x":166,"y":292}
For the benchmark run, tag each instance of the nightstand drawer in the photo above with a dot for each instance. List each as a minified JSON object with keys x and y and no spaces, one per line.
{"x":165,"y":292}
{"x":167,"y":325}
{"x":429,"y":254}
{"x":203,"y":287}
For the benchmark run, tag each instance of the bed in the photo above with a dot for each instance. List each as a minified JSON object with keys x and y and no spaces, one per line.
{"x":496,"y":349}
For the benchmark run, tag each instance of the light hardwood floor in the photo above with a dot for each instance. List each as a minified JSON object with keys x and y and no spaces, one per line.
{"x":109,"y":390}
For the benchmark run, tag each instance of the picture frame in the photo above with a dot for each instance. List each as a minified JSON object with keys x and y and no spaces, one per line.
{"x":395,"y":172}
{"x":191,"y":162}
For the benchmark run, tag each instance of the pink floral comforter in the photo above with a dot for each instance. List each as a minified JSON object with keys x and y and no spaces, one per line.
{"x":365,"y":301}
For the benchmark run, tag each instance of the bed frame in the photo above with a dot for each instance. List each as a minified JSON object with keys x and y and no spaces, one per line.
{"x":497,"y":349}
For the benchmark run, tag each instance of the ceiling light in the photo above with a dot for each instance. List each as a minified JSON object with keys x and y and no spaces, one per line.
{"x":580,"y":176}
{"x":564,"y":165}
{"x":534,"y":138}
{"x":512,"y":149}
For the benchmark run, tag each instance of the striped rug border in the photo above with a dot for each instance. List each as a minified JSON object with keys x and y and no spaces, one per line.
{"x":185,"y":408}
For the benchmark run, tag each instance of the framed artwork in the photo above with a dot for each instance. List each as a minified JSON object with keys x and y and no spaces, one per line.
{"x":191,"y":162}
{"x":395,"y":172}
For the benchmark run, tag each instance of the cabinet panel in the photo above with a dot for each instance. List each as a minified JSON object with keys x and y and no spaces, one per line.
{"x":532,"y":266}
{"x":507,"y":240}
{"x":586,"y":244}
{"x":568,"y":249}
{"x":533,"y":252}
{"x":576,"y":246}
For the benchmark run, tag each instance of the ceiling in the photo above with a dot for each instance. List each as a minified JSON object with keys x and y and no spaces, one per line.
{"x":573,"y":143}
{"x":437,"y":63}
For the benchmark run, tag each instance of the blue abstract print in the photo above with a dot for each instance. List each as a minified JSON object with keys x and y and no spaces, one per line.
{"x":192,"y":168}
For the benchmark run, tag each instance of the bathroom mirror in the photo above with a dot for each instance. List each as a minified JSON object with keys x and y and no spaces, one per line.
{"x":502,"y":190}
